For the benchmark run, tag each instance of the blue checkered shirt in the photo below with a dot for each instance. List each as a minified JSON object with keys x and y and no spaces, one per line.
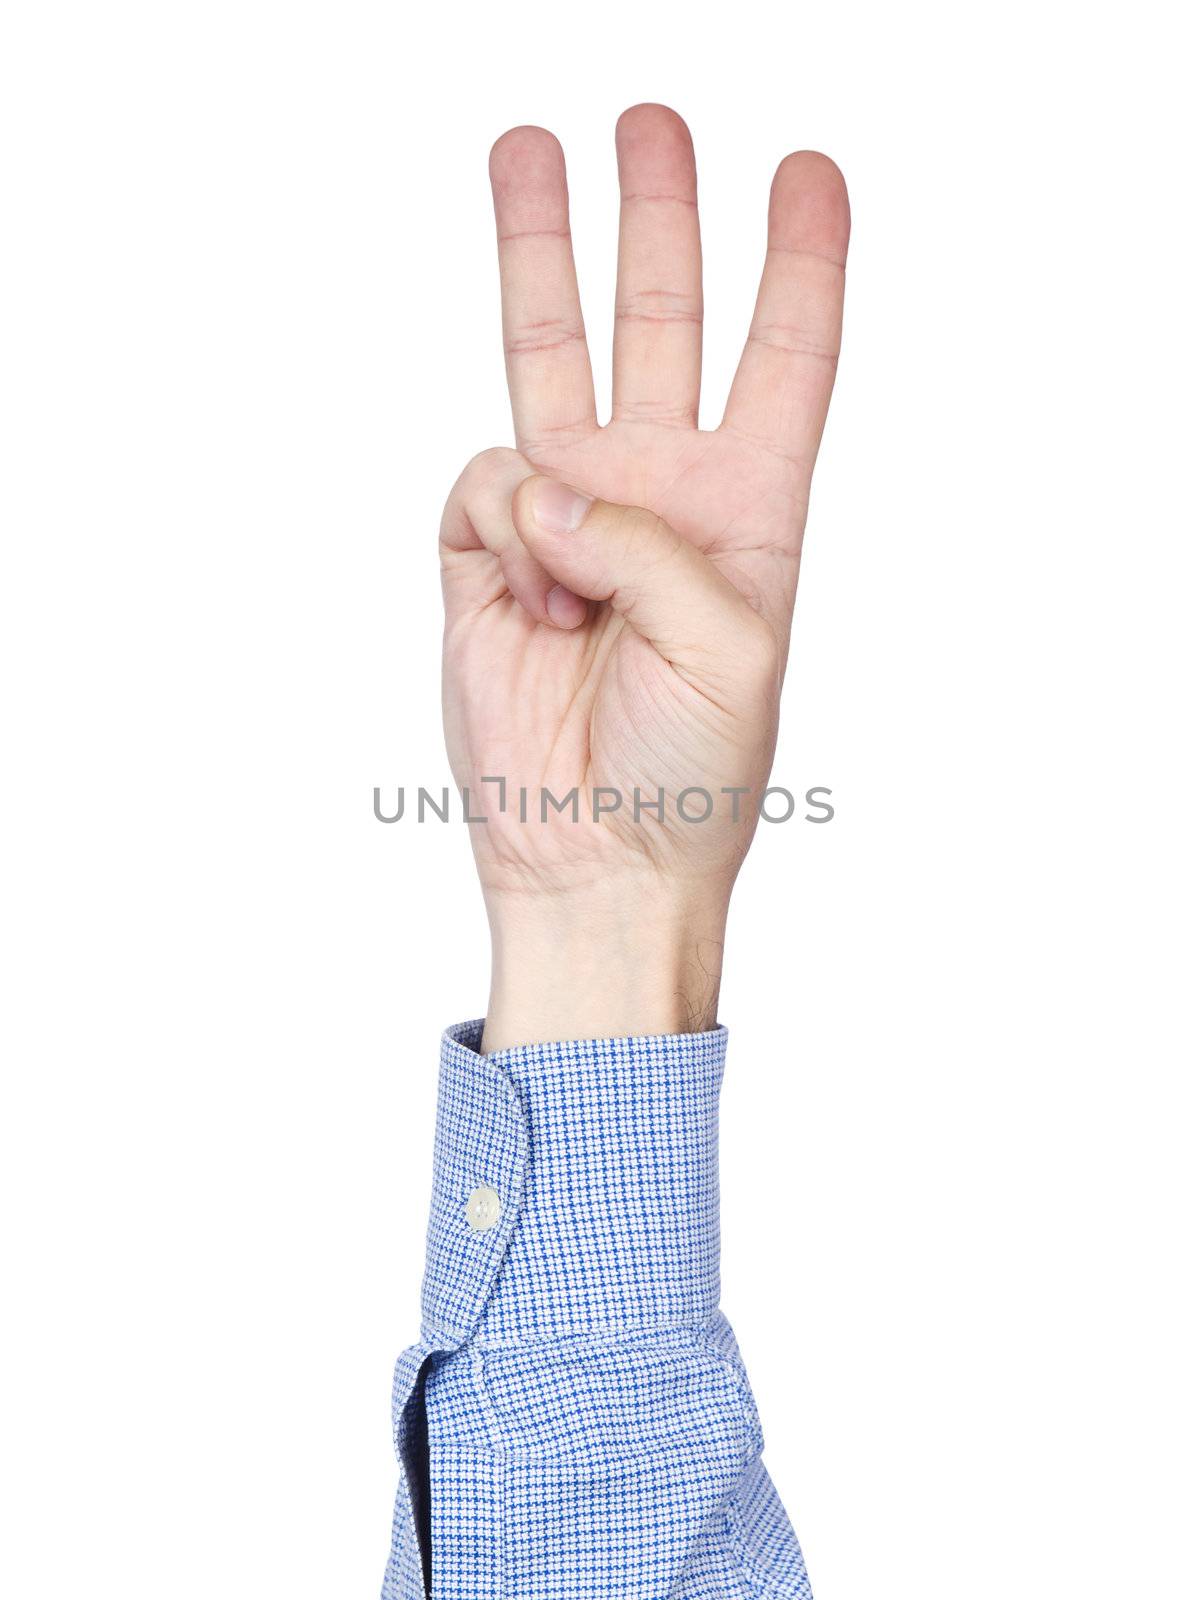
{"x":576,"y":1420}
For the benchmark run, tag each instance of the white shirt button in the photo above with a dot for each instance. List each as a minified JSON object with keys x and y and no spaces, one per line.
{"x":483,"y":1208}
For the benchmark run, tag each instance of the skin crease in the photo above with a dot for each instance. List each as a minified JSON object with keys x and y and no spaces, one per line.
{"x":647,"y":646}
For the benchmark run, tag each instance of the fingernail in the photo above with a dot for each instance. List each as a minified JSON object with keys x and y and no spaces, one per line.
{"x":564,"y":607}
{"x":557,"y":507}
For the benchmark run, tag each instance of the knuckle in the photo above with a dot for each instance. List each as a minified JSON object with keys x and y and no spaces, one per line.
{"x":489,"y":464}
{"x":496,"y":465}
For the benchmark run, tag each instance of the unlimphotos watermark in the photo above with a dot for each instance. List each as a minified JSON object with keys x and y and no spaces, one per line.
{"x":695,"y":804}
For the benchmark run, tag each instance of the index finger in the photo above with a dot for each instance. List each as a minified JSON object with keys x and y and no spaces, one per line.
{"x":781,"y":390}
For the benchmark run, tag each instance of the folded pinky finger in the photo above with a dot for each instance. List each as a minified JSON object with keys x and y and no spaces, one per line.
{"x":482,"y":556}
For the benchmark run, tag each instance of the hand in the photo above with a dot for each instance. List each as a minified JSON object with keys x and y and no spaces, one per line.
{"x":619,"y":598}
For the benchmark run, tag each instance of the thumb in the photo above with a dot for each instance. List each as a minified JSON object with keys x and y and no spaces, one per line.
{"x":653,"y":577}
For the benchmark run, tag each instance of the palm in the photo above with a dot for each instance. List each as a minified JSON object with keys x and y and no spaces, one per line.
{"x":596,"y":706}
{"x":735,"y":499}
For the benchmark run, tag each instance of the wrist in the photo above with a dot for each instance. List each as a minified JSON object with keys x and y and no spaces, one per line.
{"x":624,"y":958}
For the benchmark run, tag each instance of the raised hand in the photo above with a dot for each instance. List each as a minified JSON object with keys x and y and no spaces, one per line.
{"x":619,"y":598}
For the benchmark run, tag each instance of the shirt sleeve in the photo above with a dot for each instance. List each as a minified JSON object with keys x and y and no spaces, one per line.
{"x":575,"y":1420}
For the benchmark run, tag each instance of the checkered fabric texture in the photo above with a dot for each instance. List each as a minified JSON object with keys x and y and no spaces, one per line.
{"x":575,"y":1423}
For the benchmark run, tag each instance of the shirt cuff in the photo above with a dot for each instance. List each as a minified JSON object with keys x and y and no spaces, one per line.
{"x":574,"y":1188}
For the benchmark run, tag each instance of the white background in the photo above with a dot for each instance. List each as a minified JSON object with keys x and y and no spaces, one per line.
{"x":249,"y":337}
